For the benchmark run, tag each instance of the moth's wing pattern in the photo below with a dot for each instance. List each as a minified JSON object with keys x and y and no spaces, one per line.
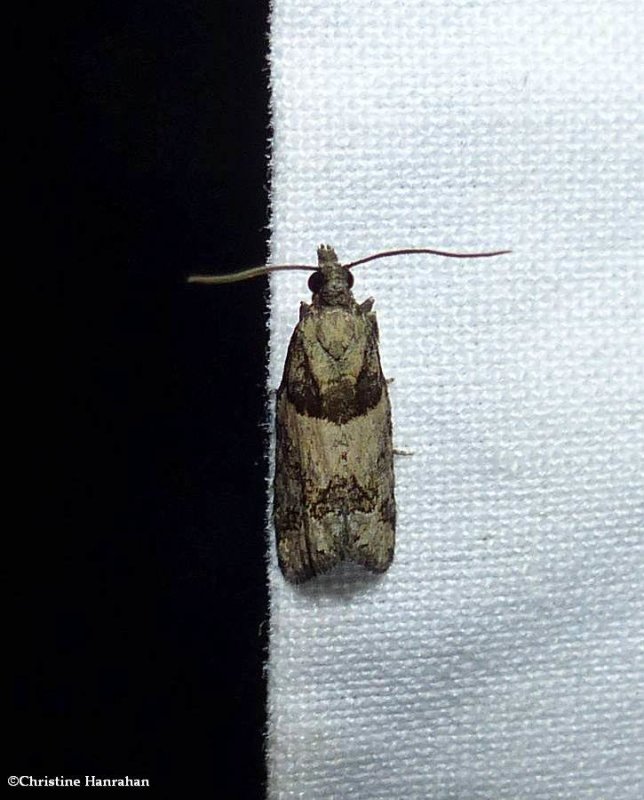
{"x":372,"y":525}
{"x":309,"y":541}
{"x":333,"y":477}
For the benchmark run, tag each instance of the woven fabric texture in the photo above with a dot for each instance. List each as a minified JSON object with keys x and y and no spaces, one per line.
{"x":501,"y":656}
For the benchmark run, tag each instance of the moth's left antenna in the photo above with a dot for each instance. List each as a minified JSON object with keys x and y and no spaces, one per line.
{"x":247,"y":274}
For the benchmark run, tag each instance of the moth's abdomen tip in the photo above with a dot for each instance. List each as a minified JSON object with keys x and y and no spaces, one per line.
{"x":296,"y":576}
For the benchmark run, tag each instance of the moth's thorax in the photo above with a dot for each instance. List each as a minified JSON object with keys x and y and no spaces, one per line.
{"x":333,"y":371}
{"x":336,"y":329}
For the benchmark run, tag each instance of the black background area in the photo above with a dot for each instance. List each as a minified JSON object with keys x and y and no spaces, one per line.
{"x":138,"y":586}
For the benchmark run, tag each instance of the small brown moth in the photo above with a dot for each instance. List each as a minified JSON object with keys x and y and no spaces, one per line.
{"x":334,"y":471}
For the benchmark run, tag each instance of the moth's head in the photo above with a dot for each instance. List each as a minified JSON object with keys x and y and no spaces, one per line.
{"x":331,"y":283}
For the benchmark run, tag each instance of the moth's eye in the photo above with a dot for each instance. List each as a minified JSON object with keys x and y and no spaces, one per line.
{"x":350,"y":278}
{"x":316,"y":282}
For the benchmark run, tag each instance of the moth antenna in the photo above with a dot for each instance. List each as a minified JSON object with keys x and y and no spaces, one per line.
{"x":412,"y":250}
{"x":247,"y":274}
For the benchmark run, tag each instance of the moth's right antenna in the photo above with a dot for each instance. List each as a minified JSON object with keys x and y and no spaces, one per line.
{"x":412,"y":250}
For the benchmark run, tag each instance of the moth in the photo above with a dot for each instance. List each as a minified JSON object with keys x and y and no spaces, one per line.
{"x":334,"y":457}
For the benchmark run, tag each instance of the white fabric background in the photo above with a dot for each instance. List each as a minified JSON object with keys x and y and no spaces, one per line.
{"x":501,"y":656}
